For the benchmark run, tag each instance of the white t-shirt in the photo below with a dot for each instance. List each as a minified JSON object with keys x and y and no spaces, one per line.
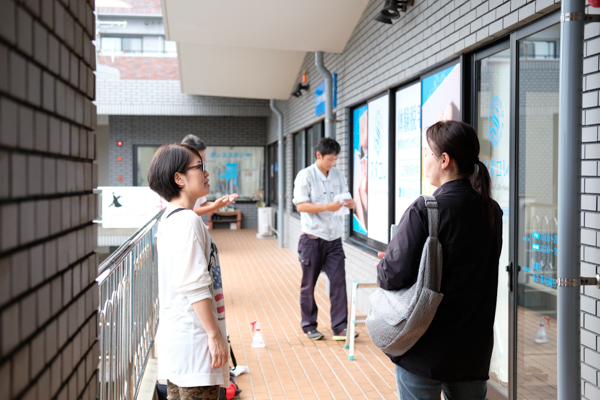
{"x":188,"y":271}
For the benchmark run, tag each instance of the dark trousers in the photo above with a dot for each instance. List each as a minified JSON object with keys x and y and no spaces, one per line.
{"x":318,"y":255}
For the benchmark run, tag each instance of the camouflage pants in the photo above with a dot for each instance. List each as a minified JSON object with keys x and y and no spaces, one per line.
{"x":175,"y":392}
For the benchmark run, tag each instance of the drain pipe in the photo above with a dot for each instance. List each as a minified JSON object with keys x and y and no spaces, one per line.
{"x":329,"y":121}
{"x":280,"y":172}
{"x":569,"y":199}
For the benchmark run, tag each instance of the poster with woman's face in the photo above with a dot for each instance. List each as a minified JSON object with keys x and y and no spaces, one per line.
{"x":440,"y":102}
{"x":360,"y":138}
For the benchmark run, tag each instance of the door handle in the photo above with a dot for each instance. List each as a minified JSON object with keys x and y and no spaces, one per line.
{"x":509,"y":269}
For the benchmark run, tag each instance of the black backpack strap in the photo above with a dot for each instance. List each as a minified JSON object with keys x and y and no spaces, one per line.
{"x":176,"y":211}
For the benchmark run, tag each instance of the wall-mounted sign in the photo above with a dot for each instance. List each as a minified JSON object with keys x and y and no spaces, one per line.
{"x":441,"y":102}
{"x":378,"y":187}
{"x":408,"y":147}
{"x":360,"y":175}
{"x":129,"y":207}
{"x":320,"y":96}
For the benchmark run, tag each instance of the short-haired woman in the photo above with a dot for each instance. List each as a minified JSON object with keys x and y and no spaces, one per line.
{"x":453,"y":356}
{"x":192,"y":332}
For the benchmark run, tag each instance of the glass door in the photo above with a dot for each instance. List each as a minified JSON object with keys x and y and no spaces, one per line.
{"x":537,"y":179}
{"x":492,"y":105}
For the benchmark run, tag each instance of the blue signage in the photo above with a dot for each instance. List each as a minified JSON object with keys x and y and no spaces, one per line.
{"x":495,"y":121}
{"x":320,"y":96}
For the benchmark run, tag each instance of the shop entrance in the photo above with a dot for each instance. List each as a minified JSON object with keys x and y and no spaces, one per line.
{"x":515,"y":111}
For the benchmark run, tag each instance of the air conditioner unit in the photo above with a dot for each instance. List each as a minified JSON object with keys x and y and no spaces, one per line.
{"x":265,"y":222}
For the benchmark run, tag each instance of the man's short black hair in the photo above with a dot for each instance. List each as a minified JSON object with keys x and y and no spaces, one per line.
{"x":194,"y":141}
{"x":169,"y":159}
{"x":327,"y":146}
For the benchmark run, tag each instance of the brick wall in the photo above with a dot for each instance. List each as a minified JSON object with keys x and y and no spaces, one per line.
{"x":164,"y":97}
{"x":48,"y":296}
{"x":142,"y":67}
{"x":590,"y":232}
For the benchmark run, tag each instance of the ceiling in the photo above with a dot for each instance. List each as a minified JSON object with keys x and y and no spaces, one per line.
{"x":254,"y":48}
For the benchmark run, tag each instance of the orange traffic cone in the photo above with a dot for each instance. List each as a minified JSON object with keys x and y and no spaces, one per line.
{"x":541,"y":336}
{"x":257,"y":340}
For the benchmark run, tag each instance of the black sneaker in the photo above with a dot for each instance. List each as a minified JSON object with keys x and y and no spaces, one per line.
{"x":314,"y":335}
{"x":342,"y":335}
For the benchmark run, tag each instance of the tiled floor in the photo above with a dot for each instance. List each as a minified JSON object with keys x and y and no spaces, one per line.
{"x":262,"y":282}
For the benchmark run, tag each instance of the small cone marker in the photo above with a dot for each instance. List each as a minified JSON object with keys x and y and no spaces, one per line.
{"x":257,"y":340}
{"x":541,"y":336}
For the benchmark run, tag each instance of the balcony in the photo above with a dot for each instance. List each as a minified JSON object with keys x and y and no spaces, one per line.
{"x":261,"y":282}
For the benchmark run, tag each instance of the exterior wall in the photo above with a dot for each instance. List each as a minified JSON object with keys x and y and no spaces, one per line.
{"x":157,"y":130}
{"x":144,"y":68}
{"x":48,"y":294}
{"x":148,"y":7}
{"x":590,"y":232}
{"x":164,"y":97}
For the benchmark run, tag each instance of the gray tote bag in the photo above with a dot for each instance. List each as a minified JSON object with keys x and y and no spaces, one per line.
{"x":398,"y":318}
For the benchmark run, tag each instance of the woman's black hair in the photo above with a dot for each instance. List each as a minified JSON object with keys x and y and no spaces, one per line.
{"x":194,"y":141}
{"x":169,"y":159}
{"x":459,"y":140}
{"x":327,"y":146}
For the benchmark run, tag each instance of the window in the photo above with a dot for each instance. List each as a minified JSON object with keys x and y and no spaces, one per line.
{"x":370,"y":183}
{"x":273,"y":174}
{"x":238,"y":170}
{"x":387,"y":173}
{"x":110,"y":45}
{"x":142,"y":155}
{"x":145,"y":44}
{"x":132,"y":45}
{"x":304,"y":147}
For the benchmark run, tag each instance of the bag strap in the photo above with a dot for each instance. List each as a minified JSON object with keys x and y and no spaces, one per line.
{"x":175,"y":211}
{"x":432,"y":214}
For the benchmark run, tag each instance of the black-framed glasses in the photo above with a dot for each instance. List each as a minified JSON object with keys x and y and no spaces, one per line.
{"x":199,"y":167}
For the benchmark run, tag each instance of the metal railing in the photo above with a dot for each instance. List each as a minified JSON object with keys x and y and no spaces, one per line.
{"x":128,"y":314}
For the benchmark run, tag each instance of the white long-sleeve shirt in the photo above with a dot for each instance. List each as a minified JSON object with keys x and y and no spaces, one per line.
{"x":188,"y":271}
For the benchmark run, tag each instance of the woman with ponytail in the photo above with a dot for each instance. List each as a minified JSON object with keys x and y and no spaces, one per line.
{"x":453,"y":356}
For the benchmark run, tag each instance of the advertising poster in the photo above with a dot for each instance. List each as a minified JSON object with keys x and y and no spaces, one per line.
{"x":360,"y":174}
{"x":377,"y":185}
{"x":235,"y":170}
{"x":408,"y":148}
{"x":129,"y":207}
{"x":441,"y":102}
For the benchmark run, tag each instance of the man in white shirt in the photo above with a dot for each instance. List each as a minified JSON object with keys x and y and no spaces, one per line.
{"x":202,"y":206}
{"x":320,"y":246}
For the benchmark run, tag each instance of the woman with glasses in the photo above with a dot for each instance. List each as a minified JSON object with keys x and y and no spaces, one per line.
{"x":192,"y":332}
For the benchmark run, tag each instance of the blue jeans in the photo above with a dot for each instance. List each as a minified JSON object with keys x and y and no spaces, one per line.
{"x":416,"y":387}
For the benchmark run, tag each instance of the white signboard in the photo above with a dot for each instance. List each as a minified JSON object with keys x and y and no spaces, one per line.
{"x":378,"y":190}
{"x":408,"y":148}
{"x":129,"y":206}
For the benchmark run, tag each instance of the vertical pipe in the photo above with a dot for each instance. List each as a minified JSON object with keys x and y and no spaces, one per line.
{"x":569,"y":197}
{"x":329,"y":121}
{"x":280,"y":172}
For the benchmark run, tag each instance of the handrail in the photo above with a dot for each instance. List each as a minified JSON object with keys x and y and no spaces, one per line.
{"x":128,"y":245}
{"x":128,"y":313}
